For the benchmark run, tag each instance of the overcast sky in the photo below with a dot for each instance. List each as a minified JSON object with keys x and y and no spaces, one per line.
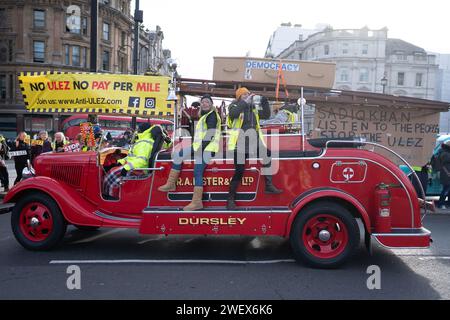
{"x":197,"y":30}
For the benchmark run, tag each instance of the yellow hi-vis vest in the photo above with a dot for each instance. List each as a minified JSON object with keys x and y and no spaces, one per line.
{"x":200,"y":133}
{"x":290,"y":115}
{"x":235,"y":127}
{"x":140,"y":152}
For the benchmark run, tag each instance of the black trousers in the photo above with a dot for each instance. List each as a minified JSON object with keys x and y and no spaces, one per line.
{"x":4,"y":176}
{"x":240,"y":157}
{"x":19,"y":168}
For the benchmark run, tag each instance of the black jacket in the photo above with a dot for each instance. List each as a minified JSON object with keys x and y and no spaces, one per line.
{"x":22,"y":146}
{"x":38,"y":149}
{"x":238,"y":107}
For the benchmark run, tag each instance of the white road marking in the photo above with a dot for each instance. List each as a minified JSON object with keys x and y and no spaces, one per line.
{"x":435,"y":258}
{"x":4,"y":239}
{"x":170,"y":261}
{"x":98,"y":236}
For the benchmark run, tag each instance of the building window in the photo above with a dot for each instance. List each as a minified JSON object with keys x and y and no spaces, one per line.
{"x":365,"y":49}
{"x":123,"y":39}
{"x":76,"y":56}
{"x":402,"y":57}
{"x":300,"y":56}
{"x":39,"y":18}
{"x":84,"y":51}
{"x":122,"y":64}
{"x":363,"y":75}
{"x":105,"y":31}
{"x":105,"y":61}
{"x":84,"y":26}
{"x":419,"y":77}
{"x":11,"y":86}
{"x":401,"y":79}
{"x":345,"y":48}
{"x":2,"y":86}
{"x":3,"y":18}
{"x":38,"y":51}
{"x":344,"y":75}
{"x":11,"y":50}
{"x":326,"y":49}
{"x":67,"y":54}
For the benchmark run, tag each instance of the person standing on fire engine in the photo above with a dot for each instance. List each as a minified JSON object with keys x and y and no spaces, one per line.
{"x":204,"y":147}
{"x":150,"y":140}
{"x":243,"y":120}
{"x":20,"y":162}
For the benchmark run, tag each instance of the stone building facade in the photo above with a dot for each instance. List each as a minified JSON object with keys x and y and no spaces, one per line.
{"x":54,"y":35}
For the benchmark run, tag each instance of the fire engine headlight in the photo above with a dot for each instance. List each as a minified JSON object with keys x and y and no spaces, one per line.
{"x":385,"y":212}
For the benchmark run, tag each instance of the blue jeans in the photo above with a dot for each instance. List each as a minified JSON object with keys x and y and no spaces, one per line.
{"x":201,"y":161}
{"x":444,"y":194}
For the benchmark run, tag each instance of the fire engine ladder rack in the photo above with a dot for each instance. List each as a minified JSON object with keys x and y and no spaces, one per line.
{"x":390,"y":151}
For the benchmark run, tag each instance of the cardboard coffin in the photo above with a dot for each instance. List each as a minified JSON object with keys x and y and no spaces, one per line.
{"x":296,"y":72}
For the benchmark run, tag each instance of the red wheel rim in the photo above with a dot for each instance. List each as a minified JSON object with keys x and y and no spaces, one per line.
{"x":325,"y":236}
{"x":36,"y":222}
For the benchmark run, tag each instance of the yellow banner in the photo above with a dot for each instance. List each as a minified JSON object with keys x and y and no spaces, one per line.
{"x":96,"y":93}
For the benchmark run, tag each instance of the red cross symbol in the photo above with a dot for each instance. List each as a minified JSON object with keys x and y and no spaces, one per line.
{"x":348,"y":173}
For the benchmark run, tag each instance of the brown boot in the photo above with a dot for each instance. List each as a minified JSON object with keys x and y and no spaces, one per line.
{"x":196,"y":203}
{"x":171,"y":183}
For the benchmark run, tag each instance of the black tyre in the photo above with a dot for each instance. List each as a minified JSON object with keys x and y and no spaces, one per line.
{"x":37,"y":222}
{"x":324,"y":235}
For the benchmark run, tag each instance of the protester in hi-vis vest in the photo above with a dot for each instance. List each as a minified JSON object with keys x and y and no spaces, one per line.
{"x":242,"y":118}
{"x":205,"y":145}
{"x":150,"y":140}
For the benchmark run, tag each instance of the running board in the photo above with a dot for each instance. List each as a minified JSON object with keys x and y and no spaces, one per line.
{"x":404,"y":238}
{"x":224,"y":210}
{"x":217,"y":220}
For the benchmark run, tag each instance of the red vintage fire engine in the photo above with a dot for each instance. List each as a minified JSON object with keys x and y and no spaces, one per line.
{"x":328,"y":186}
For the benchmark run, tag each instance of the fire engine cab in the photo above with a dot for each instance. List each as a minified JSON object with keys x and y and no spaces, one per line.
{"x":329,"y":185}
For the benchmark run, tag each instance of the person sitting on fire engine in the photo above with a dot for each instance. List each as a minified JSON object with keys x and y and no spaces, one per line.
{"x":38,"y":148}
{"x":60,"y":142}
{"x":243,"y":120}
{"x":150,"y":139}
{"x":204,"y":147}
{"x":286,"y":114}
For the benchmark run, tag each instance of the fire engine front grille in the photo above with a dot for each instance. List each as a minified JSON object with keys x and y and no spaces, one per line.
{"x":70,"y":174}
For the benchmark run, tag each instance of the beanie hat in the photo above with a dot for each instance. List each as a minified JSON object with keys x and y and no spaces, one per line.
{"x":207,"y":96}
{"x":144,"y":127}
{"x":241,"y":91}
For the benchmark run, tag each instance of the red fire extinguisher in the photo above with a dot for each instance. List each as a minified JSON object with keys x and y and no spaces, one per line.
{"x":383,"y":215}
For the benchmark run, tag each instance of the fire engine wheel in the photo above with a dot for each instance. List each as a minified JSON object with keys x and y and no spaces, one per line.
{"x":324,"y":235}
{"x":37,"y":222}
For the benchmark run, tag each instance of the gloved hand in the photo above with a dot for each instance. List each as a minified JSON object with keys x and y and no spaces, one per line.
{"x":124,"y":172}
{"x":249,"y":99}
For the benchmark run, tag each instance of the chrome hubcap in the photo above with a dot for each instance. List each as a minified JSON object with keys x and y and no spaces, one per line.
{"x":34,"y":222}
{"x":324,"y":235}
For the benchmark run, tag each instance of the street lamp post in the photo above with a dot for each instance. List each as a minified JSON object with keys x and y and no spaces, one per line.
{"x":138,"y":18}
{"x":384,"y":83}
